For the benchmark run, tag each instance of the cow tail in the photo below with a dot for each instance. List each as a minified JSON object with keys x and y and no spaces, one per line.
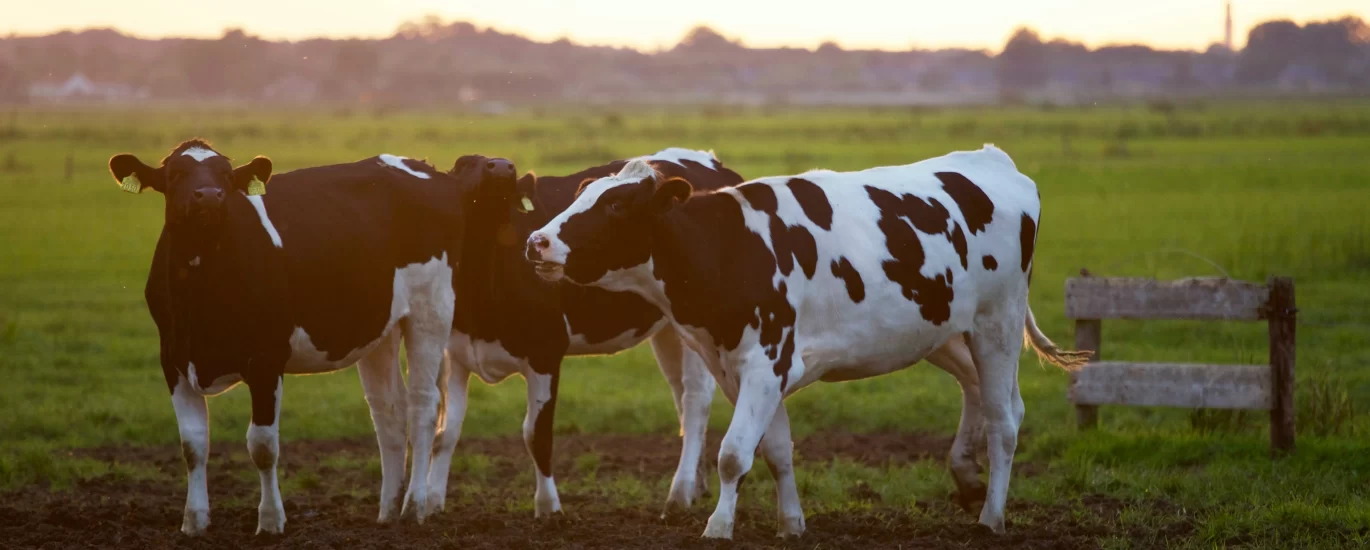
{"x":1048,"y":351}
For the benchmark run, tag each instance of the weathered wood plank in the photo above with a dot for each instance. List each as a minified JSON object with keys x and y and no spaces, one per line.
{"x":1173,"y":385}
{"x":1282,"y":321}
{"x":1088,"y":336}
{"x":1137,"y":298}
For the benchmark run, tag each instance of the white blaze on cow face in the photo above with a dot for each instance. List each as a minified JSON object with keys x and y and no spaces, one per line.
{"x":398,"y":162}
{"x":199,"y":153}
{"x":548,"y":249}
{"x":260,"y":206}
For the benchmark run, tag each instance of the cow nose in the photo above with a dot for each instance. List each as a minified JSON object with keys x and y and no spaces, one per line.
{"x":537,"y":244}
{"x":208,"y":197}
{"x":500,"y":168}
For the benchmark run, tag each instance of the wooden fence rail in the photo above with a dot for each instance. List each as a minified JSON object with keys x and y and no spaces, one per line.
{"x":1090,"y":300}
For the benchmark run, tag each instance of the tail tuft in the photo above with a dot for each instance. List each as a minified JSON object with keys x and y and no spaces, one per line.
{"x":1047,"y":350}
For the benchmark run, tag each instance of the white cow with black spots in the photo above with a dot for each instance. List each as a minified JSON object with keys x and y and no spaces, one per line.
{"x":785,"y":281}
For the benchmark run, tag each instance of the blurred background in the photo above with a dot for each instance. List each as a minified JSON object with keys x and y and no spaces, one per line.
{"x":1168,"y":139}
{"x":736,"y":53}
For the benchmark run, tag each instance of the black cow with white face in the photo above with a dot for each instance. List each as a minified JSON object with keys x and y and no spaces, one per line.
{"x":512,"y":322}
{"x":824,"y":276}
{"x":326,"y":270}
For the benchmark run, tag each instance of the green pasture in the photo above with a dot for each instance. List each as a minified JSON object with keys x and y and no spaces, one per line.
{"x":1246,"y":190}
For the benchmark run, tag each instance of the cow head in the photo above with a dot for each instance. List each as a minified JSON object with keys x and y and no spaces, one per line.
{"x":496,"y":187}
{"x":195,"y":179}
{"x":608,"y":227}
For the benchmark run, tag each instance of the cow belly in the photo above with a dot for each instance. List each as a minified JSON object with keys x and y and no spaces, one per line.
{"x":486,"y":359}
{"x":307,"y":359}
{"x":626,"y":340}
{"x":424,"y":287}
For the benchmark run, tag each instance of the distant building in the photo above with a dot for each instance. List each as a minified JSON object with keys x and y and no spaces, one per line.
{"x":79,"y":88}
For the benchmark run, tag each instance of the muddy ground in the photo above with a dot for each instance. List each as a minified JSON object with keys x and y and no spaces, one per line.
{"x":337,"y":508}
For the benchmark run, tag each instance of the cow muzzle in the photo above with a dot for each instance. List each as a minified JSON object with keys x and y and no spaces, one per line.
{"x":547,"y":262}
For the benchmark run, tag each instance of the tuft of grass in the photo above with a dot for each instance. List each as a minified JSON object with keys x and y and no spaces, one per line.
{"x":1324,"y":407}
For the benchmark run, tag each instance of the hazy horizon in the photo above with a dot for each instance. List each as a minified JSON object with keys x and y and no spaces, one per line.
{"x":860,"y":24}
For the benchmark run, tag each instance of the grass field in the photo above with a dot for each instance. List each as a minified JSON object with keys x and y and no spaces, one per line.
{"x":1246,"y":190}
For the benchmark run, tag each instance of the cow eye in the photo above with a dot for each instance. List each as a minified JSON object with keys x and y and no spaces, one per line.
{"x":618,"y":208}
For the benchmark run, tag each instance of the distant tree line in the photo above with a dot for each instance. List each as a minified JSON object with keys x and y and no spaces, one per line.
{"x":432,"y":61}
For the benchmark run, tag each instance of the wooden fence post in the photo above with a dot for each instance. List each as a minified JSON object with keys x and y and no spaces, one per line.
{"x":1281,"y":313}
{"x":1088,"y":336}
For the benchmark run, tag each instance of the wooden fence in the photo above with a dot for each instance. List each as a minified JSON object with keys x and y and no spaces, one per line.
{"x":1090,"y":300}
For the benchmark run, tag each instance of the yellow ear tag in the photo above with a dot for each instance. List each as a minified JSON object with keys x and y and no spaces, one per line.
{"x":256,"y":187}
{"x":130,"y":184}
{"x":525,"y":205}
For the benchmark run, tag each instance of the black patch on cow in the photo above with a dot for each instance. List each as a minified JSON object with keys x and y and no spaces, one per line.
{"x":856,"y":288}
{"x":791,"y":242}
{"x":541,"y":445}
{"x":813,"y":201}
{"x":263,"y":396}
{"x":761,"y":197}
{"x":784,"y":360}
{"x":958,"y":241}
{"x":718,"y":275}
{"x":1027,"y":238}
{"x":599,"y":315}
{"x":973,"y":202}
{"x":990,"y":263}
{"x":933,"y":295}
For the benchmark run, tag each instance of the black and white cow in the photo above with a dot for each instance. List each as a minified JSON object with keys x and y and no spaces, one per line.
{"x":326,"y":270}
{"x":512,"y":322}
{"x":785,"y":281}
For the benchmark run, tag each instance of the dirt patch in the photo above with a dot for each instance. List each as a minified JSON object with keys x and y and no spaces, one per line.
{"x":336,"y":508}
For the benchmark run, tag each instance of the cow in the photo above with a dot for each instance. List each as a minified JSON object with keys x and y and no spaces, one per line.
{"x":328,"y":269}
{"x":512,"y":322}
{"x":785,"y":281}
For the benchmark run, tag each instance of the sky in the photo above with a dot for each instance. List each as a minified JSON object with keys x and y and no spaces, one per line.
{"x":646,"y":25}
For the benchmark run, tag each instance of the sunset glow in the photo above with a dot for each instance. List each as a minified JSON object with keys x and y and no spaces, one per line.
{"x":883,"y":24}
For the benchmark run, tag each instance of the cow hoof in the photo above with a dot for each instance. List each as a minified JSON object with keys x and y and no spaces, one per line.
{"x":791,"y":527}
{"x":437,"y":503}
{"x":718,"y":528}
{"x":270,"y":522}
{"x":969,"y":496}
{"x":413,"y":510}
{"x":996,"y":527}
{"x":546,"y":508}
{"x":673,"y":507}
{"x":195,"y":522}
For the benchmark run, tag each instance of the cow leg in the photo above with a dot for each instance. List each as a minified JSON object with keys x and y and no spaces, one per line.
{"x":778,"y":448}
{"x":383,"y":384}
{"x":995,"y":346}
{"x":425,"y":339}
{"x":264,"y":447}
{"x":758,"y":399}
{"x":693,"y":389}
{"x":954,"y":357}
{"x":192,"y":419}
{"x":456,"y":378}
{"x":537,"y":434}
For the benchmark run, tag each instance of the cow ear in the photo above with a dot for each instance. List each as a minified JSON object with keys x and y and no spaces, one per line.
{"x":251,"y":178}
{"x":526,"y":188}
{"x":669,"y":192}
{"x":581,"y":188}
{"x":134,"y":176}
